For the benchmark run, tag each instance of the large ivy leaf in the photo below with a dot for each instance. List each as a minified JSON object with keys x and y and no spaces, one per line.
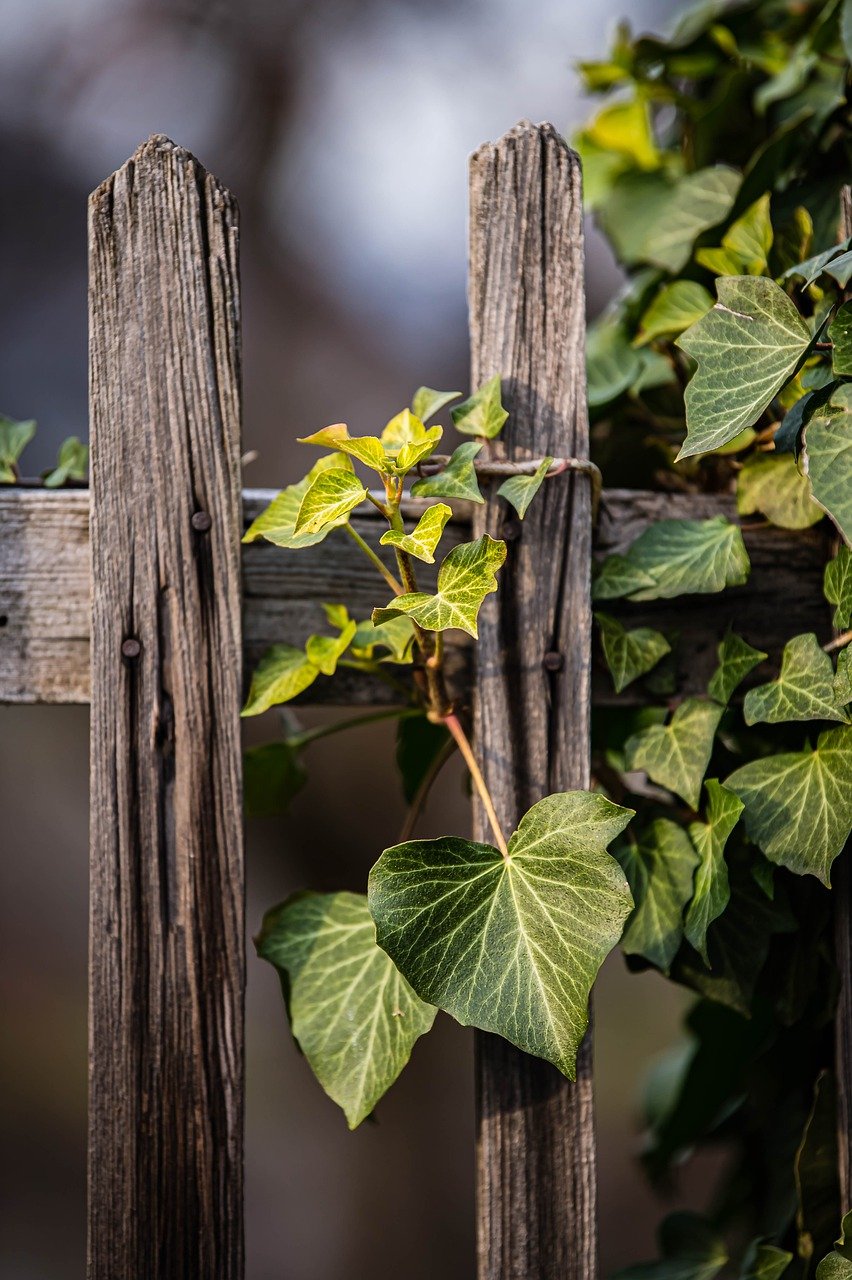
{"x":699,"y":201}
{"x":629,"y":654}
{"x":277,"y":524}
{"x":329,"y":500}
{"x":466,"y":576}
{"x":510,"y":944}
{"x":837,"y":587}
{"x":424,"y":537}
{"x":676,"y":755}
{"x":272,"y":776}
{"x":840,"y":334}
{"x":712,"y":890}
{"x":14,"y":438}
{"x":682,"y":557}
{"x":483,"y":414}
{"x":282,"y":673}
{"x":827,"y":458}
{"x":677,"y":306}
{"x":353,"y":1015}
{"x":659,"y":869}
{"x":618,"y":576}
{"x":427,"y":402}
{"x":773,"y":484}
{"x":457,"y":480}
{"x":802,"y":691}
{"x":736,"y":660}
{"x":838,"y":1265}
{"x":519,"y":491}
{"x":746,"y":348}
{"x":798,"y":805}
{"x":842,"y":686}
{"x":690,"y":1249}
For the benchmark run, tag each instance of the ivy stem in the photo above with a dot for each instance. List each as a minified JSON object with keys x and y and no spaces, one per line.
{"x":422,"y":793}
{"x":454,"y":725}
{"x":377,"y":562}
{"x":369,"y":717}
{"x":839,"y":642}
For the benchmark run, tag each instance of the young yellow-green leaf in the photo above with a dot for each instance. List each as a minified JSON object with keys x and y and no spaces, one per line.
{"x":519,"y":491}
{"x":840,"y":334}
{"x":414,"y":451}
{"x":367,"y":449}
{"x":659,"y":870}
{"x":404,"y":428}
{"x":746,"y":347}
{"x":71,"y":464}
{"x":465,"y":578}
{"x":765,"y":1262}
{"x":838,"y":1265}
{"x":282,"y":673}
{"x":674,"y":308}
{"x":837,"y":587}
{"x":618,"y":576}
{"x":712,"y":890}
{"x":803,"y":690}
{"x":736,"y":660}
{"x":337,"y":615}
{"x":745,"y":245}
{"x":676,"y":755}
{"x":427,"y":402}
{"x":698,"y":202}
{"x":457,"y":480}
{"x":629,"y":654}
{"x":682,"y":557}
{"x":827,"y":458}
{"x":424,"y":537}
{"x":772,"y":484}
{"x":395,"y":637}
{"x":510,"y":945}
{"x":690,"y":1249}
{"x":277,"y":524}
{"x":324,"y":651}
{"x":483,"y":414}
{"x":798,"y":805}
{"x":14,"y":438}
{"x":333,"y":494}
{"x":272,"y":776}
{"x":625,"y":128}
{"x":352,"y":1013}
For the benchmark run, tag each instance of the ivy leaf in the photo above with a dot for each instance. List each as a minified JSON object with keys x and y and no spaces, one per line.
{"x":690,"y":1249}
{"x":745,"y":245}
{"x":328,"y":501}
{"x":788,"y":436}
{"x":837,"y":587}
{"x":510,"y":945}
{"x":282,"y":673}
{"x":629,"y":654}
{"x":427,"y":402}
{"x":519,"y":491}
{"x":618,"y":576}
{"x":14,"y":438}
{"x":840,"y":334}
{"x":676,"y":755}
{"x":277,"y":524}
{"x":764,"y":1262}
{"x":612,"y":364}
{"x":352,"y":1013}
{"x":683,"y":557}
{"x":803,"y":690}
{"x":677,"y":306}
{"x":272,"y":776}
{"x":736,"y":660}
{"x":773,"y":484}
{"x":659,"y":870}
{"x":712,"y":890}
{"x":417,"y":450}
{"x":625,"y":128}
{"x":324,"y":651}
{"x":483,"y":414}
{"x":842,"y":687}
{"x":404,"y":428}
{"x":367,"y":449}
{"x":838,"y":1265}
{"x":827,"y":458}
{"x":465,"y":578}
{"x":396,"y":637}
{"x":424,"y":537}
{"x":699,"y":201}
{"x":836,"y":262}
{"x":71,"y":464}
{"x":419,"y":742}
{"x":746,"y":348}
{"x":798,"y":805}
{"x":457,"y":480}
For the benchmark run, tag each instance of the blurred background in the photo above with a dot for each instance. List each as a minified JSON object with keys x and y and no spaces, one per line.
{"x":344,"y":129}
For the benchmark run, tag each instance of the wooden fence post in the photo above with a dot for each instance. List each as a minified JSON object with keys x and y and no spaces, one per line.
{"x":536,"y":1157}
{"x":166,"y":942}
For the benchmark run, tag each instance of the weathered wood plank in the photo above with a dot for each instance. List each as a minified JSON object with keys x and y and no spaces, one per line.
{"x":536,"y":1193}
{"x":44,"y":592}
{"x":166,"y":971}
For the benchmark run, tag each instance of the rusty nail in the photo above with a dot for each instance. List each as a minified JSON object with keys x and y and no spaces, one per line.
{"x":553,"y":661}
{"x":131,"y":648}
{"x":201,"y":521}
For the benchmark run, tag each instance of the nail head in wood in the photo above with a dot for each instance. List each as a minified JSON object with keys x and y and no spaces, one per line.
{"x":131,"y":648}
{"x":201,"y":521}
{"x":553,"y":661}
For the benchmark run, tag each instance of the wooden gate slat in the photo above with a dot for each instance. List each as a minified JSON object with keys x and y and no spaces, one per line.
{"x":166,"y":942}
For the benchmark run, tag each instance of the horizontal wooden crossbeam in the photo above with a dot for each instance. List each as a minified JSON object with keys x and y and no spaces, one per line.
{"x":45,"y":613}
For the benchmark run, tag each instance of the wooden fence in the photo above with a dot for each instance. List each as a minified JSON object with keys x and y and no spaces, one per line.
{"x":133,"y":596}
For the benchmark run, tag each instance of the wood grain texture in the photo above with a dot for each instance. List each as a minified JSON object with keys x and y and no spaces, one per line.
{"x":535,"y":1140}
{"x":167,"y":931}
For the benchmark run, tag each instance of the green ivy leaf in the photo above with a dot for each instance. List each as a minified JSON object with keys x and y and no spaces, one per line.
{"x":282,"y":673}
{"x":676,"y":755}
{"x":736,"y":660}
{"x":712,"y":890}
{"x":699,"y":201}
{"x":618,"y":576}
{"x":836,"y":262}
{"x":329,"y":500}
{"x":803,"y":690}
{"x":324,"y":651}
{"x":840,"y":334}
{"x":466,"y":576}
{"x":14,"y":438}
{"x":682,"y":557}
{"x":659,"y":868}
{"x":71,"y":464}
{"x":417,"y":451}
{"x":427,"y":402}
{"x":367,"y":449}
{"x":798,"y":805}
{"x":746,"y":348}
{"x":272,"y":776}
{"x":483,"y":414}
{"x":457,"y":480}
{"x":837,"y":587}
{"x":690,"y":1249}
{"x":612,"y":364}
{"x":277,"y":524}
{"x":629,"y":654}
{"x":519,"y":491}
{"x":827,"y":458}
{"x":838,"y":1265}
{"x":773,"y":484}
{"x":404,"y":428}
{"x":625,"y":128}
{"x":424,"y":537}
{"x":395,"y":637}
{"x":764,"y":1262}
{"x":352,"y":1013}
{"x":745,"y":245}
{"x":419,"y":742}
{"x":510,"y":945}
{"x":677,"y":306}
{"x":842,"y":686}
